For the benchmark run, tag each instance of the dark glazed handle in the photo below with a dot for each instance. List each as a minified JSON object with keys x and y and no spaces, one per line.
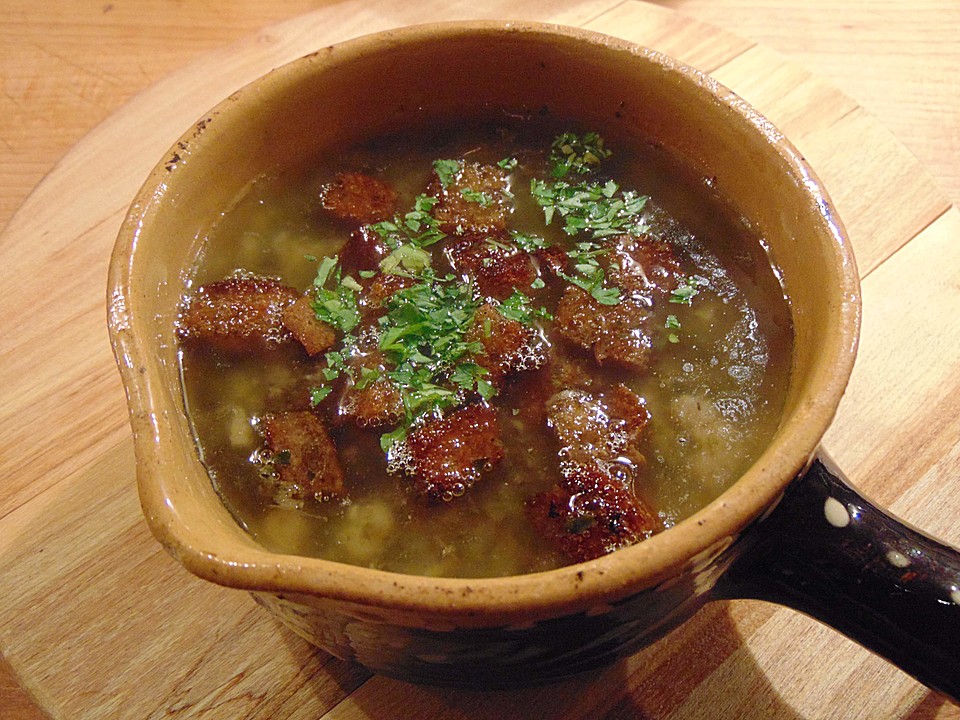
{"x":829,"y":553}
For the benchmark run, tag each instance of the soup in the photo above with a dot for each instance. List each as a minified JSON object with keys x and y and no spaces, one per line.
{"x":489,"y":351}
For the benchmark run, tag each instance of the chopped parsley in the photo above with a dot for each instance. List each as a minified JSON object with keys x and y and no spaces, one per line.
{"x":428,"y":333}
{"x":528,"y":243}
{"x":317,"y":394}
{"x":481,"y":198}
{"x":672,"y":324}
{"x":576,"y":154}
{"x":424,"y":336}
{"x":417,"y":226}
{"x":688,"y":289}
{"x":335,"y":306}
{"x":520,"y":308}
{"x":446,"y":170}
{"x":601,"y":210}
{"x":589,"y":275}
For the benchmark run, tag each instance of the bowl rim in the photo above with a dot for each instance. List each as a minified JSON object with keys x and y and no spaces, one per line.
{"x":693,"y":542}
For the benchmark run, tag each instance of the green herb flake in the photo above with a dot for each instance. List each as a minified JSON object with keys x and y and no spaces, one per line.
{"x":684,"y":294}
{"x":519,"y":307}
{"x":590,"y":276}
{"x":481,"y":198}
{"x":406,"y":260}
{"x":323,"y":272}
{"x":528,"y":243}
{"x":388,"y":440}
{"x":335,"y":306}
{"x":600,"y":210}
{"x":424,"y":337}
{"x":318,"y":394}
{"x":446,"y":170}
{"x":509,"y":164}
{"x":417,"y":227}
{"x":572,"y":153}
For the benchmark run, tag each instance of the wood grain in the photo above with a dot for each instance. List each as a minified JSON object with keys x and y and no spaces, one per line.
{"x":96,"y":622}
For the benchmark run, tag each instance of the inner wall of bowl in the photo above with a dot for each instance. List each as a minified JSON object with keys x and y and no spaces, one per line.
{"x":336,"y":97}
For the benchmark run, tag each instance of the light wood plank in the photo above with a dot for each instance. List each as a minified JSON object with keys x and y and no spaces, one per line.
{"x":882,"y":196}
{"x":93,"y":590}
{"x":704,"y":46}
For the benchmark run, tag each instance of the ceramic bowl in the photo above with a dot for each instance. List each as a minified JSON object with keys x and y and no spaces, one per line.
{"x":755,"y":540}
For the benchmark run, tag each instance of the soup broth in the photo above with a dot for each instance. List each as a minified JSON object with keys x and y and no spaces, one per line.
{"x":577,"y":441}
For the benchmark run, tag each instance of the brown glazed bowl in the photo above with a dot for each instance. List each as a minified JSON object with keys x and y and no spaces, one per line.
{"x":789,"y":530}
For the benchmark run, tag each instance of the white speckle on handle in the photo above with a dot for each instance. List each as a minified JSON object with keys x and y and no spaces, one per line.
{"x":955,"y":596}
{"x":897,"y":559}
{"x":836,"y":513}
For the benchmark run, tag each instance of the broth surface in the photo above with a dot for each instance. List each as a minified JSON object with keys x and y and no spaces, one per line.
{"x":714,"y":388}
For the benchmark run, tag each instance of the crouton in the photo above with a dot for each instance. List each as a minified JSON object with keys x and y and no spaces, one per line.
{"x":447,"y":456}
{"x":382,"y":287}
{"x":359,"y":198}
{"x":588,"y":515}
{"x":363,"y":250}
{"x":474,"y":199}
{"x":376,"y":404}
{"x":493,"y":262}
{"x":239,"y":313}
{"x":305,"y":458}
{"x":600,"y":429}
{"x":616,"y":334}
{"x":508,"y":346}
{"x":314,"y":334}
{"x":643,"y":265}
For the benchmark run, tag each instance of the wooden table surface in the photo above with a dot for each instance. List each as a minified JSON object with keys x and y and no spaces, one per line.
{"x":97,"y":622}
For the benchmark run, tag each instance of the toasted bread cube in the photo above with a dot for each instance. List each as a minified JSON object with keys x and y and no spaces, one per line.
{"x":314,"y":334}
{"x":309,"y":466}
{"x":363,"y":250}
{"x":474,"y":200}
{"x":359,"y":198}
{"x":509,"y":346}
{"x":447,"y":456}
{"x":643,"y":264}
{"x":239,"y":313}
{"x":588,"y":514}
{"x":494,"y":263}
{"x":615,"y":334}
{"x":375,"y":405}
{"x":603,"y":430}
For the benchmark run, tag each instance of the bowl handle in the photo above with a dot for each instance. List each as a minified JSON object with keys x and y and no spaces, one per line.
{"x":829,"y":553}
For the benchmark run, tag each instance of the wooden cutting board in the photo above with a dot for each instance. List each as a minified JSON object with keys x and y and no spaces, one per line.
{"x":97,"y":622}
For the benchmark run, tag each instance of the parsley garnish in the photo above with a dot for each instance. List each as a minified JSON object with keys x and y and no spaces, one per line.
{"x":528,"y":243}
{"x":519,"y":307}
{"x":481,"y":198}
{"x":684,"y":294}
{"x":672,"y":324}
{"x":601,"y":210}
{"x":317,"y":394}
{"x":337,"y":306}
{"x":590,"y":276}
{"x":572,"y":153}
{"x":424,"y":336}
{"x":418,"y":226}
{"x":406,"y":259}
{"x":446,"y":170}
